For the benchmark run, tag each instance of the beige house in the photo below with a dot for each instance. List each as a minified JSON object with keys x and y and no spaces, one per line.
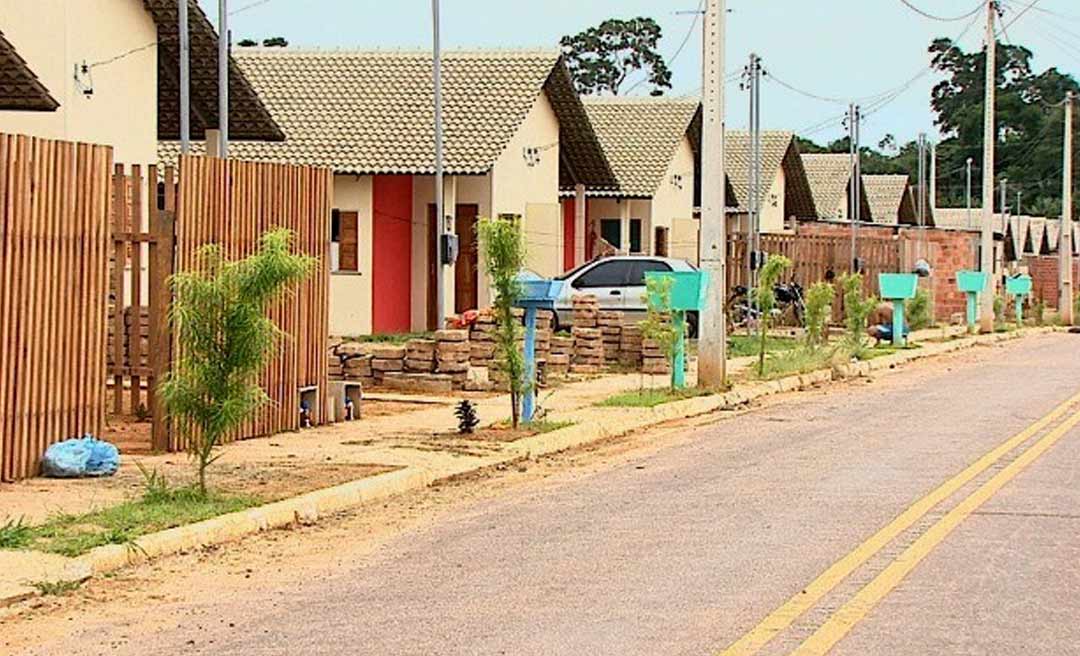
{"x":785,"y":191}
{"x":890,"y":199}
{"x":649,"y":143}
{"x":830,"y":177}
{"x":515,"y":130}
{"x":111,"y":68}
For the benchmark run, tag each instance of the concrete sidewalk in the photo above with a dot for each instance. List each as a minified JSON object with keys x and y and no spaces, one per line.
{"x":416,"y":447}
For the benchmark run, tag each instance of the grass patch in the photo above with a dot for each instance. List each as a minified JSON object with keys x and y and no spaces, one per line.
{"x":650,"y":398}
{"x":885,"y":349}
{"x":744,"y":345}
{"x":390,"y":338}
{"x":800,"y":360}
{"x":14,"y":534}
{"x":160,"y":508}
{"x":538,"y":427}
{"x":56,"y":588}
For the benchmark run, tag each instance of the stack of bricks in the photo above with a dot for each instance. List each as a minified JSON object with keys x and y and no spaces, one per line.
{"x":588,"y":339}
{"x":630,"y":345}
{"x":482,"y":339}
{"x":420,"y":356}
{"x":558,"y":359}
{"x":452,"y":354}
{"x":354,"y":362}
{"x":335,"y":370}
{"x":386,"y":358}
{"x":653,"y":359}
{"x":610,"y":324}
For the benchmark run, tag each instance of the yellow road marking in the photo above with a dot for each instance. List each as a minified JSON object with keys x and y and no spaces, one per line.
{"x":841,"y":622}
{"x":785,"y":615}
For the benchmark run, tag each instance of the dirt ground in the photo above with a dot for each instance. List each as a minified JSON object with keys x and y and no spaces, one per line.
{"x":174,"y":585}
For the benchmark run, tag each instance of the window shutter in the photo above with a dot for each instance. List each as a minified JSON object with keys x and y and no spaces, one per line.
{"x":349,"y":238}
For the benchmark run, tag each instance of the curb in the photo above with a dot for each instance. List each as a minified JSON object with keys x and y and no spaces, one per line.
{"x":309,"y":508}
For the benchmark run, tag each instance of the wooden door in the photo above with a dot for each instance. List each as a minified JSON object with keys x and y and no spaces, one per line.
{"x":468,"y":263}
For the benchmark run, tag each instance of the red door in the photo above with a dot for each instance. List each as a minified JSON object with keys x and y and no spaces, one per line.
{"x":391,"y":266}
{"x":569,"y":233}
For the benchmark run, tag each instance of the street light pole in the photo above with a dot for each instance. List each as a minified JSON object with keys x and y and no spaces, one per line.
{"x":986,"y":234}
{"x":968,"y":192}
{"x":712,"y":245}
{"x":436,"y":72}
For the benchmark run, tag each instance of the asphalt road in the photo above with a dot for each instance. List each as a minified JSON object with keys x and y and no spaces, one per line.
{"x":687,"y":549}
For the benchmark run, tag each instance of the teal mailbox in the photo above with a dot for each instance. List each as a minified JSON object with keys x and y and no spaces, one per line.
{"x":536,"y":294}
{"x":689,"y":292}
{"x":971,"y":283}
{"x":1018,"y":287}
{"x":898,"y":287}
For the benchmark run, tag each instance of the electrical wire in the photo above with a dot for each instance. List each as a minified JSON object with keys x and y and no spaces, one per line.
{"x":942,"y":19}
{"x":246,"y":7}
{"x":678,"y":51}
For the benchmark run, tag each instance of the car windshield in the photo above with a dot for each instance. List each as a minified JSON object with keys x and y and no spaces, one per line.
{"x":573,"y":272}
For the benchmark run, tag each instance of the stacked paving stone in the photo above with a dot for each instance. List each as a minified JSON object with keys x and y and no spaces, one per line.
{"x":420,"y":356}
{"x":482,"y":339}
{"x":653,"y":359}
{"x":386,"y":358}
{"x":452,"y":353}
{"x":610,"y":324}
{"x":630,"y":345}
{"x":558,"y":359}
{"x":354,"y":361}
{"x":588,"y":355}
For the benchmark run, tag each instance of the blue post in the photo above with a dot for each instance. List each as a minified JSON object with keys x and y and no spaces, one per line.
{"x":678,"y":364}
{"x":898,"y":323}
{"x":1019,"y":310}
{"x":528,"y":403}
{"x":972,"y":310}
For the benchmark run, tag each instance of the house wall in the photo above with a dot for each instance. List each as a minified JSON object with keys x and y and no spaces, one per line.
{"x":673,"y":202}
{"x":772,"y":207}
{"x":611,"y":208}
{"x":54,"y":36}
{"x":350,"y":292}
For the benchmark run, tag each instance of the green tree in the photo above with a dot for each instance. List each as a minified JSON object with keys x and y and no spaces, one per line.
{"x":658,"y":326}
{"x":766,"y":300}
{"x":502,"y":242}
{"x":857,"y":309}
{"x":272,"y":42}
{"x":225,"y":339}
{"x":602,"y":58}
{"x":819,"y":300}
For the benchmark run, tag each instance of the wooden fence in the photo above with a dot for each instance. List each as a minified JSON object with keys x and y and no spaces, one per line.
{"x":54,"y":232}
{"x":139,"y":349}
{"x":232,"y":204}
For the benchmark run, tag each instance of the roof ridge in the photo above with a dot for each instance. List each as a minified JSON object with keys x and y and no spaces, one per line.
{"x":400,"y":52}
{"x":650,"y":100}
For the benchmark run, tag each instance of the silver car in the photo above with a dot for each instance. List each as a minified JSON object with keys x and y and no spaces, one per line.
{"x":618,"y":282}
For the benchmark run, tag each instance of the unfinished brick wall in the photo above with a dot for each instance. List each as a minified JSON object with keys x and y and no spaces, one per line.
{"x":1043,"y":270}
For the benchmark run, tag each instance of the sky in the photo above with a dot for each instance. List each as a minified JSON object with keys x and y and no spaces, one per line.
{"x":837,"y":49}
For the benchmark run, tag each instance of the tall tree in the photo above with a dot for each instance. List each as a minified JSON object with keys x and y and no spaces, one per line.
{"x":602,"y":58}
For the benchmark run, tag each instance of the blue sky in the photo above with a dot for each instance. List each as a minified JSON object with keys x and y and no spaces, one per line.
{"x":835,"y":48}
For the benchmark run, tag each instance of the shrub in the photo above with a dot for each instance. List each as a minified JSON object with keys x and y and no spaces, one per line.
{"x":1038,"y":308}
{"x":819,"y":300}
{"x":919,"y":310}
{"x":658,"y":326}
{"x":999,"y":308}
{"x":225,"y":339}
{"x":857,"y":309}
{"x":503,"y":244}
{"x":466,"y":416}
{"x":766,"y":299}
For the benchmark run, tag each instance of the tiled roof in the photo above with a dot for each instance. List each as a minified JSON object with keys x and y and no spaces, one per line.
{"x":20,"y":89}
{"x":1020,"y":231}
{"x":248,"y":118}
{"x":1053,"y":234}
{"x":829,"y":175}
{"x":1037,"y":227}
{"x":778,"y":150}
{"x":367,"y":112}
{"x":640,"y":136}
{"x":890,"y":200}
{"x":958,"y":219}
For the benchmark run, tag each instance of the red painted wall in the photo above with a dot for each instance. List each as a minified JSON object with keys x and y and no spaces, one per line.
{"x":569,"y":235}
{"x":391,"y":267}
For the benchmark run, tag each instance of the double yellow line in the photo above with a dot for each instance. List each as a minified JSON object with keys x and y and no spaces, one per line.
{"x":844,"y":619}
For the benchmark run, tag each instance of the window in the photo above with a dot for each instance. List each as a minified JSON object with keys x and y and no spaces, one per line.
{"x":640,"y":267}
{"x":344,"y":241}
{"x":660,"y":242}
{"x":605,"y":274}
{"x":635,"y":235}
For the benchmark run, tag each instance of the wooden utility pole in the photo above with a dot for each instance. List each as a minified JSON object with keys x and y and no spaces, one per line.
{"x":1065,"y":245}
{"x":986,"y":236}
{"x":712,"y":245}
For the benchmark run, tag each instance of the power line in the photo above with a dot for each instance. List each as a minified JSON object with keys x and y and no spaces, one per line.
{"x":678,"y":51}
{"x":943,"y":19}
{"x":251,"y":5}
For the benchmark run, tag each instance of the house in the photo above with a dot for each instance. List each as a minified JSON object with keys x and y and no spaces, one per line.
{"x":830,"y":177}
{"x":107,"y":71}
{"x":785,"y":195}
{"x":650,"y":146}
{"x":515,"y":132}
{"x":890,"y":199}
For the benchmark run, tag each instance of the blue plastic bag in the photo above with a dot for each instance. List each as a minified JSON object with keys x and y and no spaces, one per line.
{"x":80,"y":457}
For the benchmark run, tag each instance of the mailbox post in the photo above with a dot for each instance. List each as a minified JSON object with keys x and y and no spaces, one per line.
{"x":1018,"y":287}
{"x":536,"y":294}
{"x":898,"y":287}
{"x":972,"y":283}
{"x":689,"y":292}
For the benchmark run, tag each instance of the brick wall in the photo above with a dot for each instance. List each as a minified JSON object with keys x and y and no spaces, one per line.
{"x":1043,"y":270}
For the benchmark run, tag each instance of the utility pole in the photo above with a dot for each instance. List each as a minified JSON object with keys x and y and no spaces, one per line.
{"x":1019,"y":196}
{"x":436,"y":73}
{"x":753,"y":227}
{"x":986,"y":235}
{"x":922,"y":179}
{"x":185,"y":78}
{"x":1005,"y":215}
{"x":1065,"y":246}
{"x":855,"y":184}
{"x":968,"y":192}
{"x":712,"y":245}
{"x":223,"y":77}
{"x":933,"y":176}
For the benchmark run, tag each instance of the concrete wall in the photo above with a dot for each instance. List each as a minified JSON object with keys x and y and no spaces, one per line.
{"x":55,"y":36}
{"x":672,"y":202}
{"x":350,"y":292}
